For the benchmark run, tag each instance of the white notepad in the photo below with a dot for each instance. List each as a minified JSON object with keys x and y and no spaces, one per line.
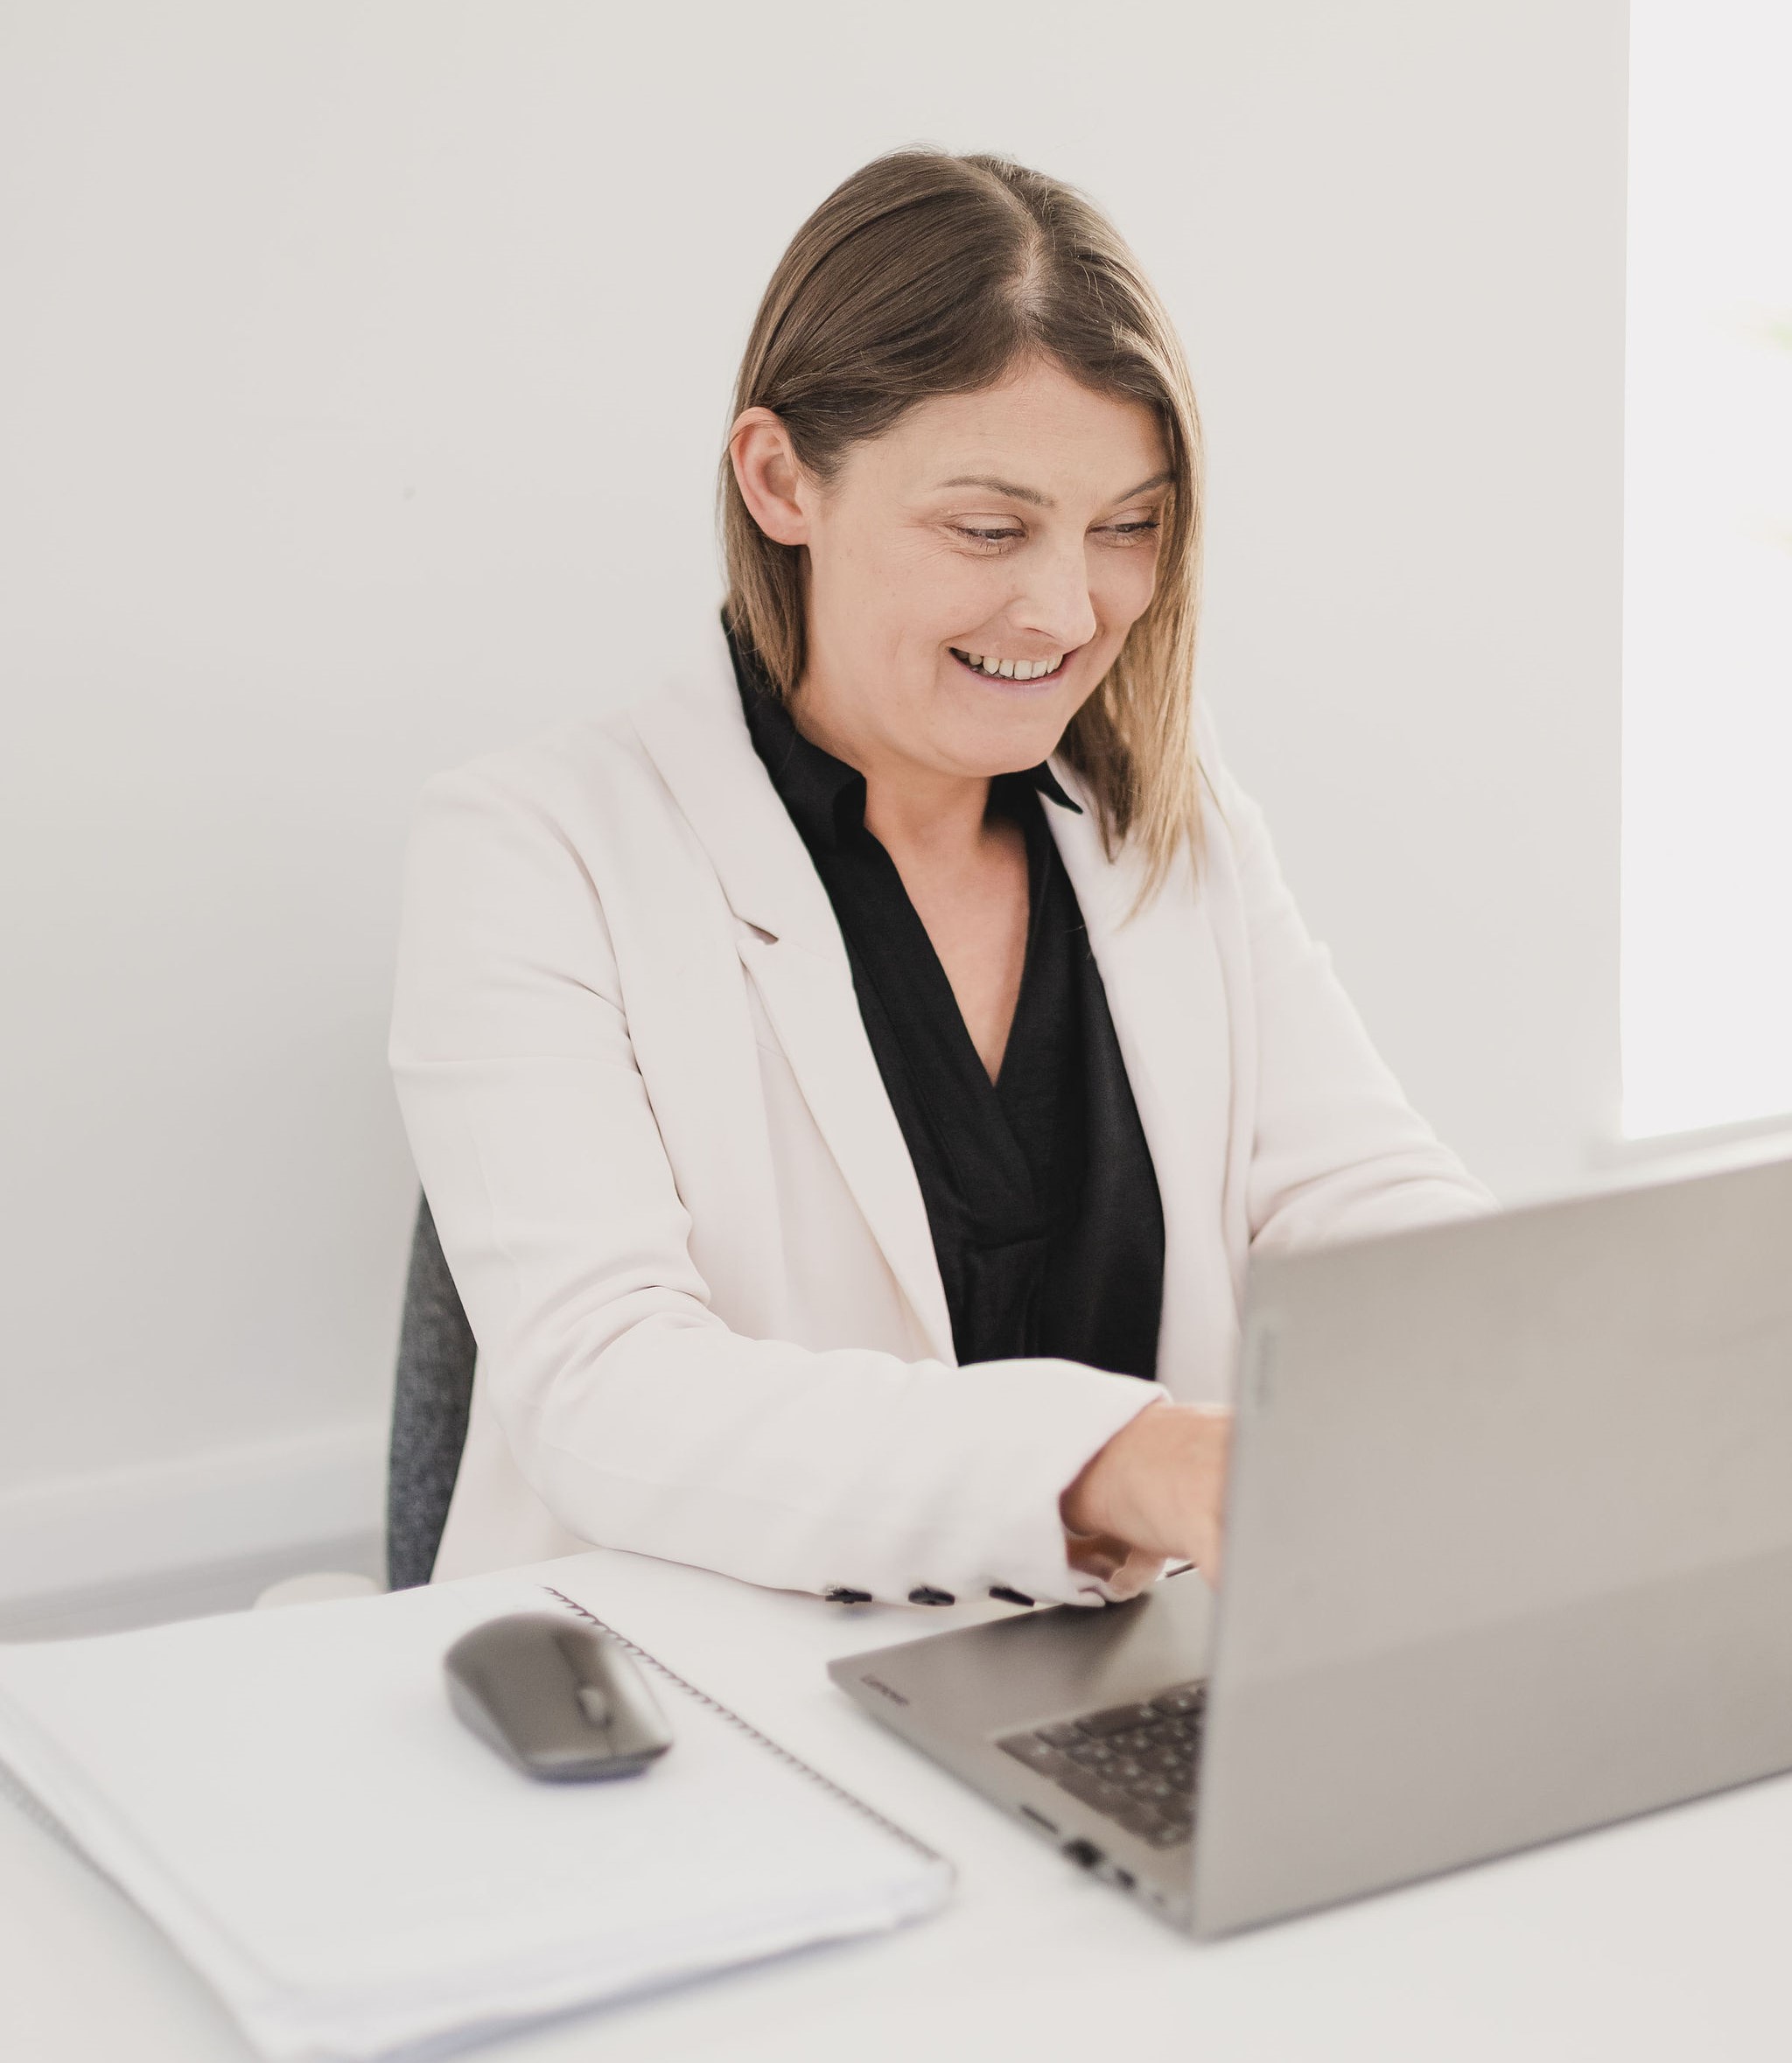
{"x":288,"y":1795}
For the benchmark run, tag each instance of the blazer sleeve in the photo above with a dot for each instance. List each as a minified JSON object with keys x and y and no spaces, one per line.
{"x":632,"y":1411}
{"x":1337,"y":1151}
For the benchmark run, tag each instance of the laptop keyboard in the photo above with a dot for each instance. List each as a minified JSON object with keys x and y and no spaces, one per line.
{"x":1133,"y":1764}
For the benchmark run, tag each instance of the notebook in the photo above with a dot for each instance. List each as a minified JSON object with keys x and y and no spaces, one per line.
{"x":289,"y":1797}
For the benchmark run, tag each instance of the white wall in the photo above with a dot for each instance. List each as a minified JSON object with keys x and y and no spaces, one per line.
{"x":362,"y":376}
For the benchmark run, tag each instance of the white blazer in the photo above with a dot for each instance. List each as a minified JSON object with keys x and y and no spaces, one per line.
{"x":680,"y":1211}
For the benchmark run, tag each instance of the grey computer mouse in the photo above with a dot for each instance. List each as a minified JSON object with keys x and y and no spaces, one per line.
{"x":561,"y":1701}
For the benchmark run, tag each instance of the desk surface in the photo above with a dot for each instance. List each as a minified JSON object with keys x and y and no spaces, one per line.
{"x":1663,"y":1938}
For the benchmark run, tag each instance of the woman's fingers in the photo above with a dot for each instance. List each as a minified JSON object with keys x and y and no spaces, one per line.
{"x":1157,"y":1488}
{"x":1125,"y":1570}
{"x":1138,"y":1572}
{"x":1096,"y":1554}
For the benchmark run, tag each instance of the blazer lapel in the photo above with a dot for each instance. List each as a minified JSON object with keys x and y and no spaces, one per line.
{"x":697,"y":738}
{"x":813,"y":1008}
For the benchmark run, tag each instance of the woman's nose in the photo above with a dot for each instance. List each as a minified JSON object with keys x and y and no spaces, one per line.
{"x":1054,"y":602}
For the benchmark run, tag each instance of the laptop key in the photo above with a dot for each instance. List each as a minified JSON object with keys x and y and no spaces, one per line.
{"x":1186,"y":1697}
{"x":1092,"y":1754}
{"x":1151,"y":1789}
{"x":1037,"y":1754}
{"x":1093,"y":1790}
{"x":1116,"y":1719}
{"x":1138,"y":1819}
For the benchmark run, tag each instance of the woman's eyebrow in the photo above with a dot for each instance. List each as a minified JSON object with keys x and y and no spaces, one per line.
{"x":996,"y":486}
{"x":1157,"y":479}
{"x":1018,"y":493}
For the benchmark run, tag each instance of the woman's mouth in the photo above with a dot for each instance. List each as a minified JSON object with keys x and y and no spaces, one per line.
{"x":1023,"y":673}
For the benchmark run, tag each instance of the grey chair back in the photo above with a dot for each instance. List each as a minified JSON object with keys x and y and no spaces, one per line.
{"x":431,"y":1404}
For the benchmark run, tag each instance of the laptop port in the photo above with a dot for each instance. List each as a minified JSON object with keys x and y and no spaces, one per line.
{"x":1040,"y":1820}
{"x":1084,"y":1854}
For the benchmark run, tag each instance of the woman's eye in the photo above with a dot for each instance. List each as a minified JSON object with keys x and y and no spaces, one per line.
{"x":990,"y":538}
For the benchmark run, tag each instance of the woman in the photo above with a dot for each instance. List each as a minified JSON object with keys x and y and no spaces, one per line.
{"x":849,"y":1084}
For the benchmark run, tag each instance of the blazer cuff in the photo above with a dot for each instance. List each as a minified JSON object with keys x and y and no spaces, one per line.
{"x":1030,"y":1551}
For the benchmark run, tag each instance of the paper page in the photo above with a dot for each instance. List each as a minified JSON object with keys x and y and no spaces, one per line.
{"x":297,"y":1783}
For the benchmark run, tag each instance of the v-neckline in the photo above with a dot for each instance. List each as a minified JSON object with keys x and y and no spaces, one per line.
{"x":1036,"y":837}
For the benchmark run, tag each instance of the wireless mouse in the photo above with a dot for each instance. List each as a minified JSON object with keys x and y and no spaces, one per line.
{"x":561,"y":1701}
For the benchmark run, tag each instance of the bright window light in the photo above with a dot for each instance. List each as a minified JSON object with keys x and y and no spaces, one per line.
{"x":1707,"y":856}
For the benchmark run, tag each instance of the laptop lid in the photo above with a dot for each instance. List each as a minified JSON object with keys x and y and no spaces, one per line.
{"x":1509,"y":1544}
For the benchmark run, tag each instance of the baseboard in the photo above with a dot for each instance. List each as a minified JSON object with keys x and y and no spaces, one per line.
{"x":153,"y":1601}
{"x":131,"y":1527}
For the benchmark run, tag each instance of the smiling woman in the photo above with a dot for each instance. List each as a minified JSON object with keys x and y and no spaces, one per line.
{"x":1001,"y":310}
{"x":849,"y":1085}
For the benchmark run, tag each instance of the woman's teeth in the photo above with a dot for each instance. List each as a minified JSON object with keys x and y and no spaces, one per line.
{"x":1010,"y":669}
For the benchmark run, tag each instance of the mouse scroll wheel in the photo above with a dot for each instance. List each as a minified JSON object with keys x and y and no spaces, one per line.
{"x":594,"y":1705}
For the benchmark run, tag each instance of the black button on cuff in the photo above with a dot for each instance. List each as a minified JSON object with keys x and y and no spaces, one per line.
{"x":840,"y":1595}
{"x":928,"y":1595}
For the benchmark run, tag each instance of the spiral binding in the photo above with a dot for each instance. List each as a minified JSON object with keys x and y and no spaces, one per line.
{"x":14,"y":1792}
{"x":734,"y":1719}
{"x":12,"y":1788}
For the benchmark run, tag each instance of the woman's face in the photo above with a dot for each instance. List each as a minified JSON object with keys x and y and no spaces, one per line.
{"x":973,"y":572}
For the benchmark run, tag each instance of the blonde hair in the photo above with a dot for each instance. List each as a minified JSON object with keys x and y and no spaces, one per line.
{"x":927,"y":274}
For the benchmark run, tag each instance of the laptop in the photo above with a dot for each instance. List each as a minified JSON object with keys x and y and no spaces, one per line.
{"x":1509,"y":1554}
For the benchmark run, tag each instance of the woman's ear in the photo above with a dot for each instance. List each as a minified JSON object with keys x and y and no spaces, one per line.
{"x":769,"y":476}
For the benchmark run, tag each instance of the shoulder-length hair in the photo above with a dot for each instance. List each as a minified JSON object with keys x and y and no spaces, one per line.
{"x":927,"y":274}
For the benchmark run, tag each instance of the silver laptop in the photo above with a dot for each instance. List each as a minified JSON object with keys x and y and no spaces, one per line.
{"x":1509,"y":1554}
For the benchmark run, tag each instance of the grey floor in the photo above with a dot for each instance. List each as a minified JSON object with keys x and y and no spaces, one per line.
{"x":189,"y":1593}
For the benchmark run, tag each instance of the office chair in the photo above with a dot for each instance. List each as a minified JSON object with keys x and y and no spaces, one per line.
{"x":431,"y":1404}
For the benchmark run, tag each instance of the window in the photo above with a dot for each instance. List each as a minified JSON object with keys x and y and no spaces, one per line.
{"x":1707,"y":853}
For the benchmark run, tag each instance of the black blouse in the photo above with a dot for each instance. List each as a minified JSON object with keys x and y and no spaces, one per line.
{"x":1039,"y":1189}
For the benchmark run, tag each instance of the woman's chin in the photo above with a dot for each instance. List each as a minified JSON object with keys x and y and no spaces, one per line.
{"x":987,"y":758}
{"x":997,"y":734}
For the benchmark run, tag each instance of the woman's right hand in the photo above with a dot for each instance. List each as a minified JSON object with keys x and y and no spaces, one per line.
{"x":1155,"y":1493}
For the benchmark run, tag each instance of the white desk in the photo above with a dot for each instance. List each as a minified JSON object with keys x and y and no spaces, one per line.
{"x":1668,"y":1937}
